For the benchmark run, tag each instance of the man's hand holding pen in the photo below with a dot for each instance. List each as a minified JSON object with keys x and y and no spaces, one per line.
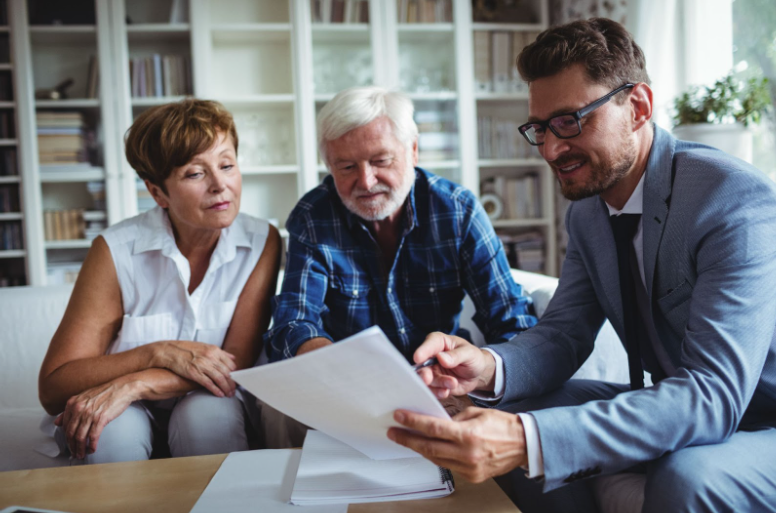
{"x":460,"y":367}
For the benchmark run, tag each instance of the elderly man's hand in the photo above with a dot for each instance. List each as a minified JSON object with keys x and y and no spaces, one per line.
{"x":478,"y":443}
{"x":462,"y":367}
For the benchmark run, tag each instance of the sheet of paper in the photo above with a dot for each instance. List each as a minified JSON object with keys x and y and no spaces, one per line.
{"x":332,"y":472}
{"x":348,"y":390}
{"x":258,"y":481}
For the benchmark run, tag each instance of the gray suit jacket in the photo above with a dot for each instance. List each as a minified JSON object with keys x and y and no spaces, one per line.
{"x":709,"y":225}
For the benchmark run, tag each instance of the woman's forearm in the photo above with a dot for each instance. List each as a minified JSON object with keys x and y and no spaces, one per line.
{"x":81,"y":374}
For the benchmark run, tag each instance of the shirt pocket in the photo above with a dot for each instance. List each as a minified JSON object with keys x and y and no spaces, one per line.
{"x":213,"y":322}
{"x":435,"y":300}
{"x":144,"y":329}
{"x":351,"y":306}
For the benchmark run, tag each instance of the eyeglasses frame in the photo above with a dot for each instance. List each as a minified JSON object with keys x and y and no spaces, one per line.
{"x":578,"y":115}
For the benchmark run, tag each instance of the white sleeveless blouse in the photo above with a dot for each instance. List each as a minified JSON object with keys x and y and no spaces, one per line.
{"x":154,"y":279}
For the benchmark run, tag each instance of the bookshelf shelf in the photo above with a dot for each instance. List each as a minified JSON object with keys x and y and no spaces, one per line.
{"x":269,"y":170}
{"x":516,"y":96}
{"x":78,"y":175}
{"x":258,"y":99}
{"x":9,"y":179}
{"x":251,"y":32}
{"x":68,"y":244}
{"x":521,"y":223}
{"x":319,"y":29}
{"x":11,"y":216}
{"x":7,"y":105}
{"x":62,"y":34}
{"x":8,"y":142}
{"x":70,"y":103}
{"x":157,"y":28}
{"x":13,"y":253}
{"x":425,"y":27}
{"x":158,"y":33}
{"x":439,"y":164}
{"x":6,"y":66}
{"x":509,"y":27}
{"x":155,"y":100}
{"x":434,"y":96}
{"x":4,"y":29}
{"x":511,"y":162}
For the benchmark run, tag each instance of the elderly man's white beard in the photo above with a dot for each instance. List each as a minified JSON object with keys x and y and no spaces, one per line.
{"x":382,"y":207}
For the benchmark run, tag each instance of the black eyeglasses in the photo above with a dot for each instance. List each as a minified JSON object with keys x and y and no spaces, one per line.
{"x":564,"y":126}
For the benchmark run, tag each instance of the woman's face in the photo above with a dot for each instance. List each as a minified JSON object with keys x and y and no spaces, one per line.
{"x":205,"y":193}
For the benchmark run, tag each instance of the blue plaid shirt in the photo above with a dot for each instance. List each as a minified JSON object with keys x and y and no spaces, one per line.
{"x":334,"y":284}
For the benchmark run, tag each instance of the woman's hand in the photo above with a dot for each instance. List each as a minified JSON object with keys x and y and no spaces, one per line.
{"x":87,"y":413}
{"x":205,"y":364}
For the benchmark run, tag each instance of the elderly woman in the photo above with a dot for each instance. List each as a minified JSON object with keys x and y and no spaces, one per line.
{"x":167,"y":303}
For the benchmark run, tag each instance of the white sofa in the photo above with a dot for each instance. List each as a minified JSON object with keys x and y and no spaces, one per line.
{"x":29,"y":317}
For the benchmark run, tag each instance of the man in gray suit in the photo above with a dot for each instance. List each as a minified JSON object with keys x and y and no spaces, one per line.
{"x":674,"y":243}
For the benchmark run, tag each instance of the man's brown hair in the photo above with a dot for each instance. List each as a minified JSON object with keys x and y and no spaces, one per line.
{"x":169,"y":136}
{"x":602,"y":46}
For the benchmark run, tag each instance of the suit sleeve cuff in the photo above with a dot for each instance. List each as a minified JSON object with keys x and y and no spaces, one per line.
{"x":498,"y":385}
{"x":533,"y":445}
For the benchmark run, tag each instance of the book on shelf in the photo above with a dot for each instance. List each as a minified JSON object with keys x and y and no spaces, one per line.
{"x":424,"y":11}
{"x":159,"y":76}
{"x":6,"y":86}
{"x":520,"y":196}
{"x":9,"y":198}
{"x":179,"y":11}
{"x":62,"y":138}
{"x":339,"y":11}
{"x":69,"y":224}
{"x":8,"y":162}
{"x":495,"y":55}
{"x":525,"y":250}
{"x":11,"y":236}
{"x":93,"y":78}
{"x":7,"y":124}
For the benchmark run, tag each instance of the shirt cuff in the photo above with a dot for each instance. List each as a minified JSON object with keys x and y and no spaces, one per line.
{"x":533,"y":445}
{"x":498,"y":385}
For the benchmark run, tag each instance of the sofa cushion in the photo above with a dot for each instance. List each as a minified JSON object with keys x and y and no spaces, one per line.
{"x":29,"y":317}
{"x":20,"y":437}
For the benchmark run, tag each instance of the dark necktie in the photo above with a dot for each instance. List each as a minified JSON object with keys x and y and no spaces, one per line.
{"x":624,"y":228}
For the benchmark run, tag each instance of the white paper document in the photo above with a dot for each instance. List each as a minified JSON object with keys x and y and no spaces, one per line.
{"x":348,"y":390}
{"x":332,"y":472}
{"x":259,"y":481}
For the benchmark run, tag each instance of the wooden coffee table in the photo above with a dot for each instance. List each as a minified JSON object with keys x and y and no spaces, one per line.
{"x":174,"y":485}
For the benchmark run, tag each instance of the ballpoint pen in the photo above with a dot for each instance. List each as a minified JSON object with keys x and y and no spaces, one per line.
{"x":427,"y":363}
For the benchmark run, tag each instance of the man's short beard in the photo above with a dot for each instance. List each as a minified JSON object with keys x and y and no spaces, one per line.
{"x":396,"y":198}
{"x":602,"y":177}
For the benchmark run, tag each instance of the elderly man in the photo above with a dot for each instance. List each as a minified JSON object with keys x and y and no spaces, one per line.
{"x":675,"y":244}
{"x":382,"y":242}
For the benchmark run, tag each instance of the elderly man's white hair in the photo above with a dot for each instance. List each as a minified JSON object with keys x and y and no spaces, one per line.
{"x":359,"y":106}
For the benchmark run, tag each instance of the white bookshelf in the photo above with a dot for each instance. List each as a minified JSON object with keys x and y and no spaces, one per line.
{"x":274,"y":68}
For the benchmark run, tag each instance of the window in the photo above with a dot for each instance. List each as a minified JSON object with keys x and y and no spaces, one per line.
{"x":754,"y":55}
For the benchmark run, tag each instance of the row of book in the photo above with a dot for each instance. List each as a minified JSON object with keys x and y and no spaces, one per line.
{"x":8,"y":165}
{"x":93,"y":78}
{"x":11,"y":236}
{"x":495,"y":56}
{"x":525,"y":250}
{"x":7,"y":124}
{"x":520,"y":196}
{"x":6,"y":86}
{"x":437,"y":135}
{"x":424,"y":11}
{"x":499,"y":138}
{"x":73,"y":224}
{"x":12,"y":281}
{"x":9,"y":199}
{"x":340,"y":11}
{"x":160,"y":75}
{"x":60,"y":137}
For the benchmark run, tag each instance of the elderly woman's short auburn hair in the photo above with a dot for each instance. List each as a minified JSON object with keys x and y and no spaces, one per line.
{"x":169,"y":136}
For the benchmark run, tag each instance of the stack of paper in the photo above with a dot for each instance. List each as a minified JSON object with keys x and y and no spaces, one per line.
{"x":332,"y":472}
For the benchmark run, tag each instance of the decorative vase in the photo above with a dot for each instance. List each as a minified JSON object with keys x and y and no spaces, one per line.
{"x":732,"y":138}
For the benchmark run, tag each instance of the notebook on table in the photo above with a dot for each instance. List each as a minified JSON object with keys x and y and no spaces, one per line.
{"x":332,"y":472}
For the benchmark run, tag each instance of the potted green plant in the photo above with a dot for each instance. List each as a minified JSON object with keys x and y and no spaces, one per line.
{"x":718,"y":115}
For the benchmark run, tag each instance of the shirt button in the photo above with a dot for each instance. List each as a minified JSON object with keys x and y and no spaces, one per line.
{"x":402,"y":330}
{"x":432,"y":289}
{"x":355,"y":293}
{"x":389,"y":290}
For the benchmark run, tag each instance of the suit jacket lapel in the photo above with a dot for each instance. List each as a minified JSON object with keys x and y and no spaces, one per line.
{"x":604,"y":254}
{"x":657,"y":192}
